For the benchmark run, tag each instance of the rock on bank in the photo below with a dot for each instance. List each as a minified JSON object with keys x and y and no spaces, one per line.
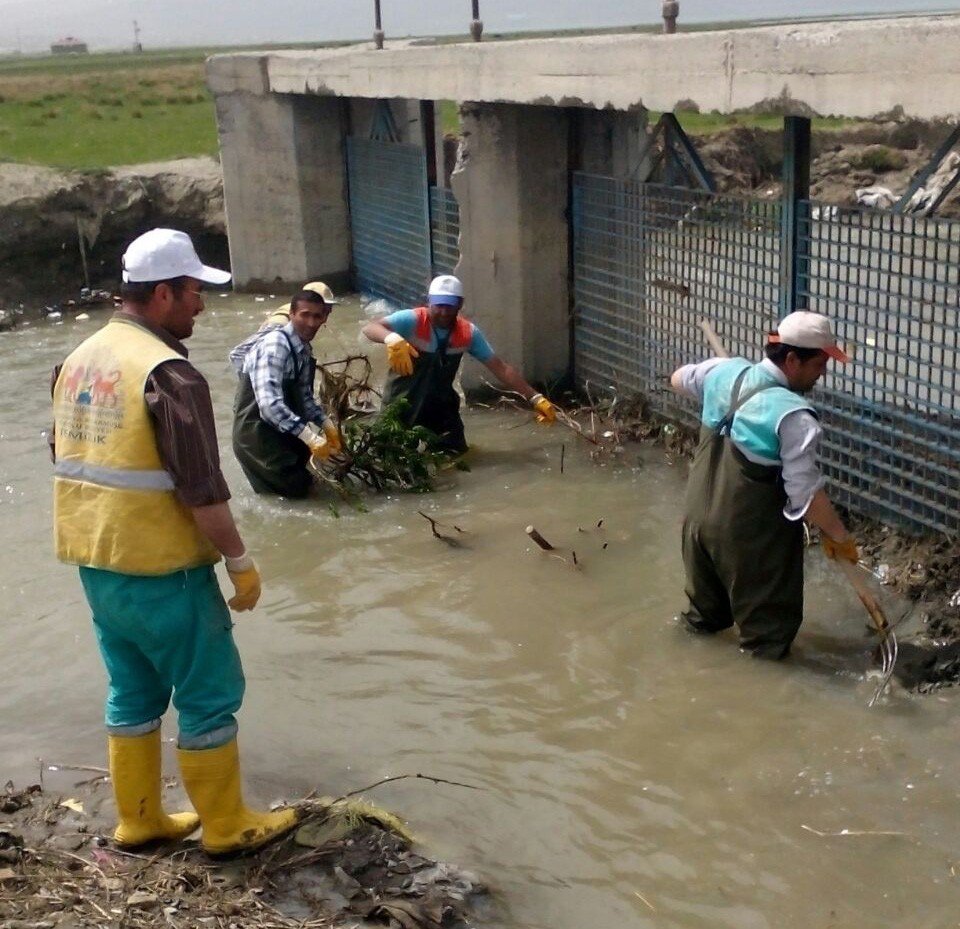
{"x":44,"y":211}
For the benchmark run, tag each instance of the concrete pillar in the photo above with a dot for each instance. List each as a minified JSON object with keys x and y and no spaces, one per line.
{"x":511,"y":182}
{"x":285,"y":190}
{"x":611,"y":142}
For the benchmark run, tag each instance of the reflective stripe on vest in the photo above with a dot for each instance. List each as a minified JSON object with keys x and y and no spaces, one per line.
{"x":461,"y":334}
{"x":113,"y":477}
{"x":115,"y":505}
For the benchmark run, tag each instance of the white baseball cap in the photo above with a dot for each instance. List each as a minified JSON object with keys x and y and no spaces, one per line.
{"x":804,"y":329}
{"x":163,"y":254}
{"x":445,"y":290}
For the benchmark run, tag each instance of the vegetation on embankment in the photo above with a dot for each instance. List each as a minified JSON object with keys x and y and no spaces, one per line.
{"x":94,"y":111}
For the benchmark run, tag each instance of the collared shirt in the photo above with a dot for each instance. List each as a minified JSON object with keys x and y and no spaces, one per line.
{"x":269,"y":362}
{"x":799,"y":433}
{"x":178,"y":400}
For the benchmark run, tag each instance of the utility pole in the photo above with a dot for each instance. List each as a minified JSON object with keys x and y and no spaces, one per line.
{"x":137,"y":46}
{"x":671,"y":10}
{"x":378,"y":24}
{"x":476,"y":26}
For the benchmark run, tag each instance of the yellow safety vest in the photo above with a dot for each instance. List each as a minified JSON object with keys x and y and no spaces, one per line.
{"x":114,"y":504}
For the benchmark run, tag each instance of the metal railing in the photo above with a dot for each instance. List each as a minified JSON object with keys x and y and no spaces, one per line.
{"x":651,"y":261}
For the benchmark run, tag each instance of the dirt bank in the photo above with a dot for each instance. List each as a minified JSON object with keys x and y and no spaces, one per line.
{"x":348,"y":861}
{"x":747,"y":160}
{"x":45,"y":212}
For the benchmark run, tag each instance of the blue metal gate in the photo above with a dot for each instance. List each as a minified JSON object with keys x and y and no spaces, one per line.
{"x":390,"y":219}
{"x":651,"y":261}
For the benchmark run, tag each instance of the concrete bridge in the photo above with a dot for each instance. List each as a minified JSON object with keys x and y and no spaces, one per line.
{"x":532,"y":112}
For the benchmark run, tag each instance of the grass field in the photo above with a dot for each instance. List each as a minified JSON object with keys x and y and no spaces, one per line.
{"x":93,"y":111}
{"x":90,"y":112}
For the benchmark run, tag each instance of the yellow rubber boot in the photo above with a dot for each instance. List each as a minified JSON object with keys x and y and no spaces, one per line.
{"x":212,"y":781}
{"x":135,"y":772}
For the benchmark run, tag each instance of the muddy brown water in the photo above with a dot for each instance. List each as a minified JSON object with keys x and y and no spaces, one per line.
{"x":632,"y":775}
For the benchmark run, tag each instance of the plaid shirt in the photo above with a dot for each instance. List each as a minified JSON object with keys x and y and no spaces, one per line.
{"x":267,"y":358}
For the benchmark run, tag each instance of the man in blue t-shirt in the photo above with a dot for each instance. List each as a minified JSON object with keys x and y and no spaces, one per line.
{"x":424,"y":349}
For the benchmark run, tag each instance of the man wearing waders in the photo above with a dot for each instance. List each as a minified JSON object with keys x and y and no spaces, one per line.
{"x":424,"y":349}
{"x":275,"y":415}
{"x":140,"y":504}
{"x":753,"y":480}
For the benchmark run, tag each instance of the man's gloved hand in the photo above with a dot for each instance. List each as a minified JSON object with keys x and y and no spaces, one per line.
{"x":332,"y":433}
{"x":841,"y":551}
{"x":546,"y":411}
{"x":245,"y":577}
{"x":320,"y":448}
{"x":400,"y":353}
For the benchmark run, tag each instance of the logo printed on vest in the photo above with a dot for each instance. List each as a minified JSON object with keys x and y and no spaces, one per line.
{"x":91,"y":405}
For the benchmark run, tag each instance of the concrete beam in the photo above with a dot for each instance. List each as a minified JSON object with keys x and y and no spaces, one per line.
{"x":513,"y":244}
{"x":860,"y":69}
{"x":285,"y":190}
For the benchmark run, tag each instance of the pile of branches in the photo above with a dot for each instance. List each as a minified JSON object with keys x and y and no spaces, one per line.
{"x":380,"y":452}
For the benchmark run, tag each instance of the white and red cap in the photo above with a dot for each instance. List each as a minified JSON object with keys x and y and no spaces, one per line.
{"x":163,"y":254}
{"x":445,"y":290}
{"x":804,"y":329}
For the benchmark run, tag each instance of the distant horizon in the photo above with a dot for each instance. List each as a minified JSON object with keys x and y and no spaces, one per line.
{"x":31,"y":26}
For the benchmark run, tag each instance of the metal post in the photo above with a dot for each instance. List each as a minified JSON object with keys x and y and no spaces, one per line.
{"x":378,"y":27}
{"x":476,"y":26}
{"x":796,"y":187}
{"x":671,"y":10}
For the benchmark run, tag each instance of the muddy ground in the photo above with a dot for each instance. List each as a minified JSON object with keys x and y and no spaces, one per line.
{"x":347,"y":862}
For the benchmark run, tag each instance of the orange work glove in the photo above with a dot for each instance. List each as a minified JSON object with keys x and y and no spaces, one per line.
{"x":319,"y":445}
{"x":332,"y":433}
{"x":841,"y":551}
{"x":400,"y":353}
{"x":546,"y":411}
{"x":245,"y":578}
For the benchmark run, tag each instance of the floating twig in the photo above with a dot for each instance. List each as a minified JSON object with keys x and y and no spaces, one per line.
{"x":439,"y":535}
{"x":843,"y":833}
{"x":402,"y":777}
{"x":645,"y":900}
{"x":539,"y":539}
{"x":563,"y":451}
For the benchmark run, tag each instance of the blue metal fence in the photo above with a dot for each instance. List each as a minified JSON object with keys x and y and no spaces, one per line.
{"x":444,"y":230}
{"x":390,"y":219}
{"x":892,"y":284}
{"x":651,"y":261}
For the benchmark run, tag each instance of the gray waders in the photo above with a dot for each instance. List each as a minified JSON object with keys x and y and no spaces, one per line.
{"x":434,"y":402}
{"x":274,"y":462}
{"x":743,"y":557}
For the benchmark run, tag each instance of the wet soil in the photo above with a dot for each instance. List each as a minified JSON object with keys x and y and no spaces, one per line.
{"x":347,"y":861}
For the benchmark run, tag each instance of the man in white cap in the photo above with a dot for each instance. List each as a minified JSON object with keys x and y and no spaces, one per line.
{"x":753,"y":481}
{"x":140,"y":505}
{"x":278,"y":426}
{"x":424,"y":349}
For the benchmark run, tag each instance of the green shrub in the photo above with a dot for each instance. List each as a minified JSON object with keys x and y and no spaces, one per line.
{"x":879,"y":158}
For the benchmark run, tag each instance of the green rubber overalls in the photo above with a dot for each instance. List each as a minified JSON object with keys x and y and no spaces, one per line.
{"x":743,"y":557}
{"x":273,"y":461}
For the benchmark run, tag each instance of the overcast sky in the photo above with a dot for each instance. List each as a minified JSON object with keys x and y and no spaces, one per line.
{"x":108,"y":24}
